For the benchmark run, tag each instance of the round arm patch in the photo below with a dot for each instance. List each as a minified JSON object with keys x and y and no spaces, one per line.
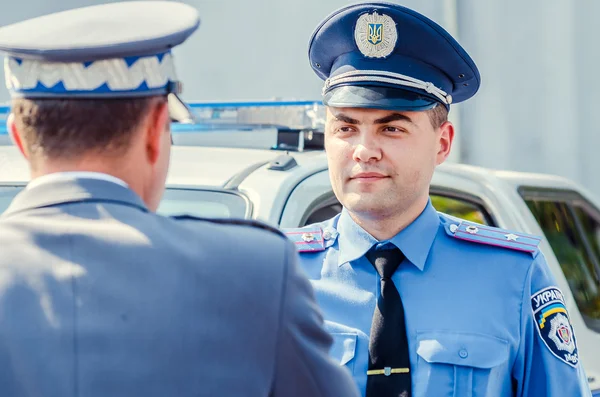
{"x":553,"y":325}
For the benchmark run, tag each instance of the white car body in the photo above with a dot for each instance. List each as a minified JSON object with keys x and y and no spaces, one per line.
{"x":287,"y":198}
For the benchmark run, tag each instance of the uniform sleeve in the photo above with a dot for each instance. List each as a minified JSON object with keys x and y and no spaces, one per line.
{"x":547,"y":363}
{"x":303,"y":366}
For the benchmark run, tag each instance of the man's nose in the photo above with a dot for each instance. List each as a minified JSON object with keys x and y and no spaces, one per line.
{"x":367,"y":150}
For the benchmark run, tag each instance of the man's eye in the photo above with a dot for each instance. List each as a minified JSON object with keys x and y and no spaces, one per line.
{"x":391,"y":129}
{"x":346,"y":129}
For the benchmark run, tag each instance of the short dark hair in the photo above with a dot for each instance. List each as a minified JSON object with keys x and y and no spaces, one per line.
{"x":67,"y":128}
{"x":438,"y":116}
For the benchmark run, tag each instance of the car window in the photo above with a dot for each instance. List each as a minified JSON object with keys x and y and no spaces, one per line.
{"x":573,"y":231}
{"x":7,"y":194}
{"x":324,"y":213}
{"x":203,"y":203}
{"x":196,"y":202}
{"x":460,"y":207}
{"x":591,"y":229}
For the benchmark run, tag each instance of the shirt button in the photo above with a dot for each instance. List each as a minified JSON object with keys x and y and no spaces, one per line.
{"x":463,"y":353}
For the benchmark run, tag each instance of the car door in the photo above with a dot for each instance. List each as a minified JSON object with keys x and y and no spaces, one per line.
{"x":571,"y":224}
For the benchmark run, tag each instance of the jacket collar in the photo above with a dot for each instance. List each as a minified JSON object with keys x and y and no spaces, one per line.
{"x":73,"y":190}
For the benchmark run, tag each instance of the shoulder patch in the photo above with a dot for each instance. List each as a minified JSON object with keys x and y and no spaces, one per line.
{"x":553,"y":324}
{"x":307,"y":239}
{"x":492,"y":236}
{"x":232,"y":221}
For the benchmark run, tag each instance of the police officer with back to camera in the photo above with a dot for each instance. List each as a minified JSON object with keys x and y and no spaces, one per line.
{"x":99,"y":295}
{"x":420,"y":303}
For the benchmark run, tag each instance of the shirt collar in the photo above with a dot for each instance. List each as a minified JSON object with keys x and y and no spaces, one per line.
{"x":414,"y":241}
{"x":64,"y":176}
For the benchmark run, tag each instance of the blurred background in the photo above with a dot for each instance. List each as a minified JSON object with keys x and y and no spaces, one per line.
{"x":536,"y":108}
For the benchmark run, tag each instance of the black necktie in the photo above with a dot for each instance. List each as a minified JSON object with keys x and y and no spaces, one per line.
{"x":389,"y":363}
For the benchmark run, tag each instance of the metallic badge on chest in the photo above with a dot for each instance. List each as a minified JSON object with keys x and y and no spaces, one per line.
{"x":308,"y":237}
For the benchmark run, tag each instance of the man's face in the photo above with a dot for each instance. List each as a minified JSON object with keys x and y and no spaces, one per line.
{"x":381,"y":162}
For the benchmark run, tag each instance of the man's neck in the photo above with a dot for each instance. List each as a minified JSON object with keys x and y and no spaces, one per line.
{"x":385,"y":226}
{"x":100,"y":166}
{"x":113,"y":169}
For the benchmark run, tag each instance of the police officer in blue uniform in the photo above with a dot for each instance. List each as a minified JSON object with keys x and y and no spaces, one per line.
{"x":99,"y":295}
{"x":420,"y":303}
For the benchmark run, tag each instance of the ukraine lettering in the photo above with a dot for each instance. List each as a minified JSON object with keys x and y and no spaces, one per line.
{"x":545,"y":296}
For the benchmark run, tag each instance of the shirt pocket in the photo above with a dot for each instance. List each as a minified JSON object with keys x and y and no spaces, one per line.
{"x":344,"y":348}
{"x":459,"y":364}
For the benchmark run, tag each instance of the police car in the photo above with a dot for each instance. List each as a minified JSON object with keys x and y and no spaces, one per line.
{"x":265,"y":161}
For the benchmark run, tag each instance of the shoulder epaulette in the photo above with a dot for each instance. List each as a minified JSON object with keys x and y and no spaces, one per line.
{"x":307,"y":239}
{"x":489,"y":235}
{"x":232,"y":221}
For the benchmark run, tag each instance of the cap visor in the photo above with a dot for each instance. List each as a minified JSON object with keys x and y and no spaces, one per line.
{"x":178,"y":110}
{"x":373,"y":97}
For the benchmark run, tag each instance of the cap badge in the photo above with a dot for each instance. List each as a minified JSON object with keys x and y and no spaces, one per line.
{"x":375,"y":35}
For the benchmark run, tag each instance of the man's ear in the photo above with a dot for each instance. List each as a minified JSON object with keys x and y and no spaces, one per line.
{"x":156,"y":127}
{"x":446,"y":137}
{"x":15,"y":135}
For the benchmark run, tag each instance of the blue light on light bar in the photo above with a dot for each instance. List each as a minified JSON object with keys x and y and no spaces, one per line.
{"x":280,"y":114}
{"x":240,"y":115}
{"x":252,"y":104}
{"x":4,"y":112}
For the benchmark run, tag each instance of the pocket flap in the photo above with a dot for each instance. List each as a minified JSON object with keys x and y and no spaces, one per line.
{"x":472,"y":350}
{"x":344,"y":345}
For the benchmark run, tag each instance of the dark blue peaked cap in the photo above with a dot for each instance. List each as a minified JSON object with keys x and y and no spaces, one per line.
{"x":386,"y":56}
{"x":104,"y":51}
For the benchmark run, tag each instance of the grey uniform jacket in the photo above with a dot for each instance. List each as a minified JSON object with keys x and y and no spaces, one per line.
{"x":100,"y":297}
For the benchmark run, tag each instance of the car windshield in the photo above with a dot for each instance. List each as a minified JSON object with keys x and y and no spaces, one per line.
{"x":176,"y":201}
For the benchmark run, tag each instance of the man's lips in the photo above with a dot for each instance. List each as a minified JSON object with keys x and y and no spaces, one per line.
{"x":368,"y":176}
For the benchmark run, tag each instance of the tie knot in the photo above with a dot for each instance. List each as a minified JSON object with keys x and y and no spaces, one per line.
{"x":385,"y":260}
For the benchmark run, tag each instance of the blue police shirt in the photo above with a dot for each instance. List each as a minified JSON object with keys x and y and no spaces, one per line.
{"x":483,"y":314}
